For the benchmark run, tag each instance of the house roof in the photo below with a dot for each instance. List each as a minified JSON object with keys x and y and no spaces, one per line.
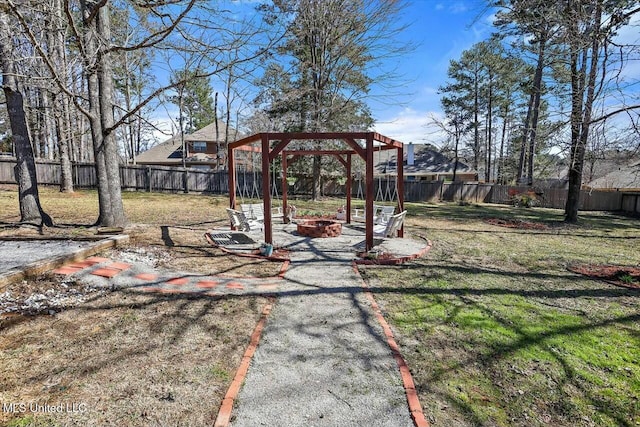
{"x":170,"y":151}
{"x":623,"y":176}
{"x":427,"y":161}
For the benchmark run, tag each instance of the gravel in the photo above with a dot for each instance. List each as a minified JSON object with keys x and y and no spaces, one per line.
{"x":14,"y":254}
{"x":44,"y":296}
{"x":323,"y":359}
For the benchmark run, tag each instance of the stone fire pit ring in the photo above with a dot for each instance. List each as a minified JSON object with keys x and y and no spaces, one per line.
{"x":315,"y":228}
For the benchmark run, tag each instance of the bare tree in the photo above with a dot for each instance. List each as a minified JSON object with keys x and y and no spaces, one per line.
{"x":25,"y":169}
{"x":166,"y":31}
{"x":589,"y":28}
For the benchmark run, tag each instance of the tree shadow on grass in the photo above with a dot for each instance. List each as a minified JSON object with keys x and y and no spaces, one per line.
{"x":137,"y":347}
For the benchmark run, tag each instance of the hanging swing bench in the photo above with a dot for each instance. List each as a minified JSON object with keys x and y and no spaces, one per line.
{"x":274,"y":144}
{"x":382,"y":212}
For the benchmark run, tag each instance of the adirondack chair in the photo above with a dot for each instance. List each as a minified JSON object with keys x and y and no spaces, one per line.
{"x":241,"y":222}
{"x":394,"y":223}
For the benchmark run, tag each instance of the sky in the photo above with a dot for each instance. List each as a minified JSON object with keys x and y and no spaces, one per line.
{"x":438,"y":31}
{"x":441,"y":30}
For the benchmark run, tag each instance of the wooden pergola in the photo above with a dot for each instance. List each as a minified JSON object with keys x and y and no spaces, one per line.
{"x":269,"y":153}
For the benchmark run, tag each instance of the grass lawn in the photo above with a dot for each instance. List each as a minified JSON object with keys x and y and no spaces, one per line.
{"x":498,"y":332}
{"x":496,"y":329}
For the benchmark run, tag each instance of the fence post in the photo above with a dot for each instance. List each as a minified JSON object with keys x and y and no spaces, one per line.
{"x":147,"y":177}
{"x":185,"y":180}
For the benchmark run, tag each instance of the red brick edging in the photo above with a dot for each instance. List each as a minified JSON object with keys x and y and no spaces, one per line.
{"x":415,"y":408}
{"x":224,"y":414}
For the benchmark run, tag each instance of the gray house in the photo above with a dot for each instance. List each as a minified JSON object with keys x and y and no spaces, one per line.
{"x":201,"y":149}
{"x":422,"y":163}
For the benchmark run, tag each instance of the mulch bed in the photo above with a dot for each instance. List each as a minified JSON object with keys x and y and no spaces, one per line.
{"x":628,"y":277}
{"x":517,"y":223}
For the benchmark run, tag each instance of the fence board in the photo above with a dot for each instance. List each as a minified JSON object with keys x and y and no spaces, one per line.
{"x":172,"y":179}
{"x":630,"y":203}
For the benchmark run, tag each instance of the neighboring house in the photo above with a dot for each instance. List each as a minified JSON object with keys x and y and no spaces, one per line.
{"x":422,"y":163}
{"x":626,"y":176}
{"x":201,"y":149}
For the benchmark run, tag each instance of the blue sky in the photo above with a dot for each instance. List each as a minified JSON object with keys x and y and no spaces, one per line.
{"x":442,"y":30}
{"x":439,"y":31}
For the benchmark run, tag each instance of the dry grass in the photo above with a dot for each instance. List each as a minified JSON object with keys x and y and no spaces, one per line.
{"x":496,"y":329}
{"x":129,"y":359}
{"x":172,"y":223}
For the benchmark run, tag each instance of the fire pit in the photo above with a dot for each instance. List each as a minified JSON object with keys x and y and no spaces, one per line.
{"x":319,"y":228}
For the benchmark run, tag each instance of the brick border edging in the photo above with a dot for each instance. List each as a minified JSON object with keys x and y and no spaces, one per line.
{"x":224,"y":414}
{"x":38,"y":267}
{"x":415,"y":409}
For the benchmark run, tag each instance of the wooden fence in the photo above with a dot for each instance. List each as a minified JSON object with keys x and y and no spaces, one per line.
{"x":249,"y":185}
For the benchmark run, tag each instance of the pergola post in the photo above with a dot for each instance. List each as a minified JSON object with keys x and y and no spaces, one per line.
{"x":368,"y":211}
{"x":348,"y":189}
{"x":232,"y":180}
{"x":285,"y":185}
{"x":266,"y":189}
{"x":400,"y":185}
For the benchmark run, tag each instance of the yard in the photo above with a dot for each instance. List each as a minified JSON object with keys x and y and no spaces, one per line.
{"x":499,"y":332}
{"x":125,"y":358}
{"x":495,"y":326}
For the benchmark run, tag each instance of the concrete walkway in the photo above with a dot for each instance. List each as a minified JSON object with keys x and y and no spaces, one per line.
{"x":323,"y":359}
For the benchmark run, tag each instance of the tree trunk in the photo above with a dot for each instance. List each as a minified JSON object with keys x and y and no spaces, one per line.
{"x":489,"y":129}
{"x":523,"y":142}
{"x":317,"y":169}
{"x":537,"y":91}
{"x":581,"y":111}
{"x":476,"y":125}
{"x":112,"y":163}
{"x":25,"y":170}
{"x":66,"y":174}
{"x":503,"y":137}
{"x":455,"y":151}
{"x":61,"y":102}
{"x":531,"y":122}
{"x":100,"y":90}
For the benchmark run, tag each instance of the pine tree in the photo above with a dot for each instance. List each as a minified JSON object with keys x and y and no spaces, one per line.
{"x":194,"y":97}
{"x":332,"y":47}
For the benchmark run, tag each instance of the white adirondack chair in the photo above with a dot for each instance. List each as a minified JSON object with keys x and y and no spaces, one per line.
{"x":394,"y":223}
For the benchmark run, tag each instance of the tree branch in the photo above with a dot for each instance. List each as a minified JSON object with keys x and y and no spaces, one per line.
{"x":156,"y":37}
{"x":613,"y":113}
{"x":50,"y":66}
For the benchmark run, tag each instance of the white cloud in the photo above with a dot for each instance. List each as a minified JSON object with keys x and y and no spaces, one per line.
{"x":458,"y":7}
{"x":408,"y":126}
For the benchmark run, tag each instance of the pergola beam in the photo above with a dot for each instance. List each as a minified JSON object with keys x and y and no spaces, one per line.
{"x":350,"y":138}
